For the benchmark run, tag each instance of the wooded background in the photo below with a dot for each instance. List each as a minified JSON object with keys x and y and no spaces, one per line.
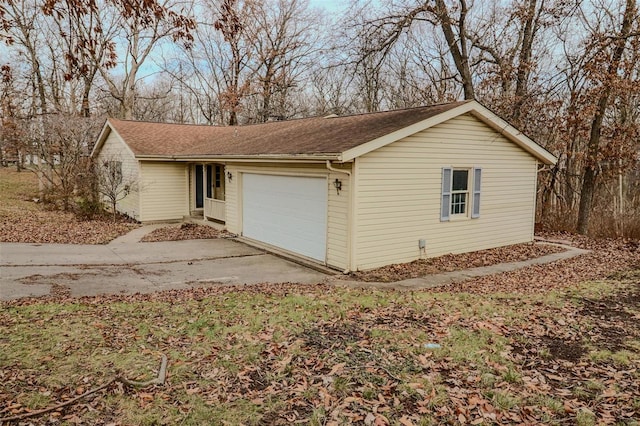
{"x":565,"y":72}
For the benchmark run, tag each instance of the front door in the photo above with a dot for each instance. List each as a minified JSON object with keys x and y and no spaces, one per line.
{"x":199,"y":184}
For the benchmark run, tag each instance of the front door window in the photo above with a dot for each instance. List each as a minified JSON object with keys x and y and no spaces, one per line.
{"x":199,"y":186}
{"x":209,"y":181}
{"x":218,"y":182}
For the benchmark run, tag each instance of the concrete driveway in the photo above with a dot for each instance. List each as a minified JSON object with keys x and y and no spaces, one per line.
{"x":127,"y":266}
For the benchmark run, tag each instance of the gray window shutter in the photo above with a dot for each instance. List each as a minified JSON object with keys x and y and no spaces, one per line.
{"x":445,"y":209}
{"x":477,"y":178}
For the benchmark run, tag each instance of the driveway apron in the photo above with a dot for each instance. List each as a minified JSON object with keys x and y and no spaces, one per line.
{"x":128,"y":266}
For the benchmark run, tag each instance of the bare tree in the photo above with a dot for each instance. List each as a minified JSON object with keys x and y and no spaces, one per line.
{"x":24,"y":30}
{"x":283,"y":37}
{"x":231,"y":24}
{"x":63,"y":156}
{"x":12,"y":142}
{"x":113,"y":185}
{"x":381,"y":33}
{"x":86,"y":33}
{"x":214,"y":74}
{"x":330,"y":92}
{"x":137,"y":25}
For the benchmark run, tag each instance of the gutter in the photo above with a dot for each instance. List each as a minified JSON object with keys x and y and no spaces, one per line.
{"x":320,"y":158}
{"x":349,"y":213}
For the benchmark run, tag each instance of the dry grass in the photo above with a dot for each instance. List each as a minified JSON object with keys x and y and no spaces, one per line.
{"x":279,"y":354}
{"x":22,"y":220}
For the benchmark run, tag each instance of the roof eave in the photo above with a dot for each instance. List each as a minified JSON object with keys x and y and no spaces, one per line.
{"x":367,"y":147}
{"x":104,"y":133}
{"x":244,"y":158}
{"x":513,"y":134}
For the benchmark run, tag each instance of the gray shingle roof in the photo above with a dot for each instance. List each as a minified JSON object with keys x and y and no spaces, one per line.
{"x":317,"y":135}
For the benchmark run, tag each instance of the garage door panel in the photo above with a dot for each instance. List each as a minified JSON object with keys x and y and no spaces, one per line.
{"x":286,"y":211}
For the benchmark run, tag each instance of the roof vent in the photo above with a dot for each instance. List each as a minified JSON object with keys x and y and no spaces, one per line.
{"x":332,"y":116}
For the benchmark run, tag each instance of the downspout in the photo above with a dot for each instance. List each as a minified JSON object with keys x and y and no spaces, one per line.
{"x":349,"y":214}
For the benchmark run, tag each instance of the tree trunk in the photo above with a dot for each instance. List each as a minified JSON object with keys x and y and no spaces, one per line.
{"x":593,"y":148}
{"x":84,"y":109}
{"x":459,"y":54}
{"x":524,"y":59}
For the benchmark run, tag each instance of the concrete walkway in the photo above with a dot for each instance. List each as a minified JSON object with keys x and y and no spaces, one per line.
{"x":136,"y":235}
{"x":439,"y":280}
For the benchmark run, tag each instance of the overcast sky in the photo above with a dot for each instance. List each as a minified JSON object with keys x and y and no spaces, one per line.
{"x":330,"y":6}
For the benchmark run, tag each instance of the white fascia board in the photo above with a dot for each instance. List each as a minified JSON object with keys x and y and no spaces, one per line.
{"x":473,"y":107}
{"x":104,"y":133}
{"x":516,"y":136}
{"x":367,"y":147}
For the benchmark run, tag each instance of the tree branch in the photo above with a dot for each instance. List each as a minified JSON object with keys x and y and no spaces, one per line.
{"x":162,"y":373}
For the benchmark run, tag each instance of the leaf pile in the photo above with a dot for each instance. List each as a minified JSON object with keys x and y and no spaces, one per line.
{"x":185,"y":231}
{"x":607,"y":257}
{"x":41,"y":226}
{"x":453,"y":262}
{"x":285,"y":354}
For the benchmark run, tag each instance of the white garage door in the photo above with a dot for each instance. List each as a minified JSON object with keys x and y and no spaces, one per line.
{"x":286,"y":211}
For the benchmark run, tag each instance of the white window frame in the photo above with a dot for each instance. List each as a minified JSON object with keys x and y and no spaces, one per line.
{"x":449,"y":197}
{"x":456,"y":193}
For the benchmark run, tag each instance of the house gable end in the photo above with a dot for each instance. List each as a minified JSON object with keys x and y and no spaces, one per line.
{"x":473,"y":107}
{"x":402,"y":188}
{"x":107,"y":129}
{"x":513,"y":134}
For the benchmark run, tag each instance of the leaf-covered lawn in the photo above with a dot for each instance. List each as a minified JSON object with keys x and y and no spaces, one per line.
{"x":280,"y":354}
{"x":455,"y":262}
{"x":606,"y":257}
{"x":24,"y":221}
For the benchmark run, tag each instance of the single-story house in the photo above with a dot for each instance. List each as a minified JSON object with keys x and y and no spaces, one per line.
{"x":351,"y":192}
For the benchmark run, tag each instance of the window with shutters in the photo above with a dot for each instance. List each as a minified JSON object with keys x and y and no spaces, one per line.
{"x":460,"y":193}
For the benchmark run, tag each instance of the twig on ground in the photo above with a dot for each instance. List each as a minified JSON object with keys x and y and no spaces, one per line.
{"x":58,"y":406}
{"x":162,"y":374}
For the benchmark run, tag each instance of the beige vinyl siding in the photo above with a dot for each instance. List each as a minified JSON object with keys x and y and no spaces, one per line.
{"x":337,"y":205}
{"x":114,"y":149}
{"x":231,"y":205}
{"x":164,"y":194}
{"x":399,"y":194}
{"x":338,"y":221}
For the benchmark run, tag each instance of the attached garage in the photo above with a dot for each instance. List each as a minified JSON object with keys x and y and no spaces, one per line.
{"x":289,"y":212}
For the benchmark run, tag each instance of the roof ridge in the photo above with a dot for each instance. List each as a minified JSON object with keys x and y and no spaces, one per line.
{"x":358,"y":114}
{"x":405,"y":109}
{"x":164,"y":122}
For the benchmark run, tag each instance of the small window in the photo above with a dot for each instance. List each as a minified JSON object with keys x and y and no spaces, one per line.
{"x":218,"y":175}
{"x":460,"y":192}
{"x":219,"y":182}
{"x":457,"y":198}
